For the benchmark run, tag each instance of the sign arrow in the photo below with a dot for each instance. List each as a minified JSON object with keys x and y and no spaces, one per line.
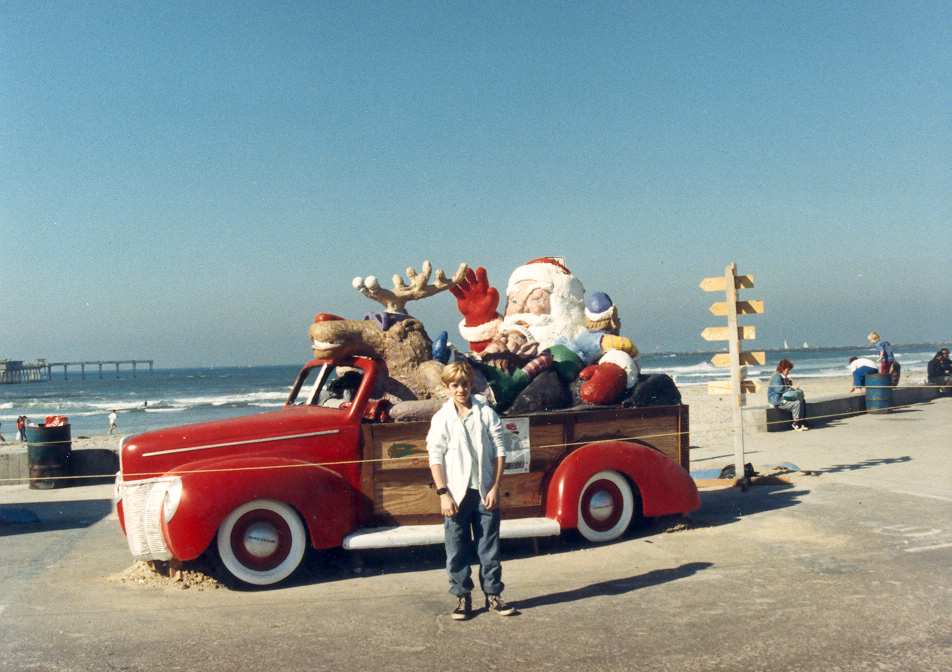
{"x":743,"y":308}
{"x":719,"y":283}
{"x":723,"y":359}
{"x":745,"y":333}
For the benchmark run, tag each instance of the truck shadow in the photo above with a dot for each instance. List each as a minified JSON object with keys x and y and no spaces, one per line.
{"x":722,"y":507}
{"x":29,"y":517}
{"x":615,"y":586}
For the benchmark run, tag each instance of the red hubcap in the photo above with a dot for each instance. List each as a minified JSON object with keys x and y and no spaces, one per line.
{"x":600,"y":498}
{"x":261,"y":540}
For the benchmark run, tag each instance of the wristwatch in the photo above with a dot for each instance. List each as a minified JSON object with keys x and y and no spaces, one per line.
{"x":442,"y":491}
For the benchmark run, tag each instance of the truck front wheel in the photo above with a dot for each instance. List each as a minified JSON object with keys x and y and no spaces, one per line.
{"x":262,"y":542}
{"x":605,"y":507}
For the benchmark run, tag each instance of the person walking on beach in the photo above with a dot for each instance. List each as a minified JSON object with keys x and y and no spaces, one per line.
{"x":113,"y":422}
{"x":21,"y":428}
{"x":467,"y":456}
{"x":783,"y":395}
{"x":888,"y":366}
{"x":861,"y":367}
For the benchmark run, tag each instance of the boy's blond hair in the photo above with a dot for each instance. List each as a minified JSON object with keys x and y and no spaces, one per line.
{"x":456,"y":372}
{"x":872,"y":336}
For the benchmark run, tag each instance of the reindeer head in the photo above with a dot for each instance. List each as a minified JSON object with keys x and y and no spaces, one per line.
{"x":335,"y":337}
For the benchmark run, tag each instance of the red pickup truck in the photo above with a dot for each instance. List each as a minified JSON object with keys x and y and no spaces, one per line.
{"x":322,"y":471}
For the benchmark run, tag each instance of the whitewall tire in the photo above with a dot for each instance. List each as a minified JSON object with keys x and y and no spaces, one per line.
{"x":262,"y":542}
{"x":606,"y":506}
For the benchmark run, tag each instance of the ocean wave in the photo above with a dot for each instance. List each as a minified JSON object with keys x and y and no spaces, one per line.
{"x":702,"y":367}
{"x":246,"y":399}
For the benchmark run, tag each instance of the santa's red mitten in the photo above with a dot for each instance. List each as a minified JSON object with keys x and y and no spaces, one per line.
{"x":604,"y":384}
{"x":477,"y":302}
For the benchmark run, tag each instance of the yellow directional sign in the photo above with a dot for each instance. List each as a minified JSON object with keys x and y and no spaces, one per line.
{"x":751,"y":358}
{"x":719,"y":283}
{"x":724,"y":386}
{"x":743,"y":308}
{"x":745,"y":333}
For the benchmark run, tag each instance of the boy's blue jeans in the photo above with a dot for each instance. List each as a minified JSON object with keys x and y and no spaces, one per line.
{"x":474,"y":530}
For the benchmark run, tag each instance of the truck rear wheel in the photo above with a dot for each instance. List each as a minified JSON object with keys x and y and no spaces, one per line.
{"x":605,"y":507}
{"x":262,"y":542}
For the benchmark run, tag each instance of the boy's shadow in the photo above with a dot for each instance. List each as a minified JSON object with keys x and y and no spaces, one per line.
{"x":615,"y":586}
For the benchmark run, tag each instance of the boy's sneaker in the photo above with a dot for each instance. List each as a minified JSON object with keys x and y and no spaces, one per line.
{"x":800,"y":428}
{"x":496,"y":605}
{"x":464,"y":608}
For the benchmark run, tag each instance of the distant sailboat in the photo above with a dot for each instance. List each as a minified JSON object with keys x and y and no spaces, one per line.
{"x":805,"y":345}
{"x":786,"y":346}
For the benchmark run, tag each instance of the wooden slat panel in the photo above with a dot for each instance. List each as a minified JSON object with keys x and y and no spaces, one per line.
{"x":399,"y":497}
{"x":659,"y":432}
{"x":521,"y":490}
{"x":405,"y":499}
{"x":684,"y":459}
{"x":547,"y":442}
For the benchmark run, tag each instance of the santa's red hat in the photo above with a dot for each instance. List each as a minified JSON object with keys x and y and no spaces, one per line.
{"x":551,"y":274}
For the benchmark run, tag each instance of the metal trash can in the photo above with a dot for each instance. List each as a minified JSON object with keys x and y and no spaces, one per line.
{"x":48,"y":452}
{"x":879,"y":394}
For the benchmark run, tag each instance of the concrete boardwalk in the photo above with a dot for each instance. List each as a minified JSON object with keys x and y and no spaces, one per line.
{"x":850,"y":569}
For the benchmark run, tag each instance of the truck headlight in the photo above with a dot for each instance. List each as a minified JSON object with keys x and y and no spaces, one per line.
{"x":173,"y":495}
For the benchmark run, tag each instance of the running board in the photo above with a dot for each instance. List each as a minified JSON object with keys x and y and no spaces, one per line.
{"x":426,"y":535}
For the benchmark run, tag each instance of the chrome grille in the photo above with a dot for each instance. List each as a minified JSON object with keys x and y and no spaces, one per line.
{"x":142,"y":511}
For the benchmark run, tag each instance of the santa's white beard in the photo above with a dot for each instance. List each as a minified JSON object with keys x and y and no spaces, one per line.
{"x":567,"y":322}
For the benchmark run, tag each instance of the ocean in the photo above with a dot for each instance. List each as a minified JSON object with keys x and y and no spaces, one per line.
{"x":168,"y":397}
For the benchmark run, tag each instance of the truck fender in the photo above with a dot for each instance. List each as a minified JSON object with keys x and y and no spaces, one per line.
{"x":323,"y":499}
{"x":665,"y":487}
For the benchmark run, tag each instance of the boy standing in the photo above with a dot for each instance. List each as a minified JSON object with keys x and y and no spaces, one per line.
{"x":466,"y":447}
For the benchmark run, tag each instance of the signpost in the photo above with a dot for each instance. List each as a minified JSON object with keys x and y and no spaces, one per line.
{"x":734,"y":358}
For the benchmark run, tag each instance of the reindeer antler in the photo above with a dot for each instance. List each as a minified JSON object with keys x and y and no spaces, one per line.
{"x":395,"y":300}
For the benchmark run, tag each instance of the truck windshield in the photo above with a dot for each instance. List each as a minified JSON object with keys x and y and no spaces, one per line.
{"x":330,"y":385}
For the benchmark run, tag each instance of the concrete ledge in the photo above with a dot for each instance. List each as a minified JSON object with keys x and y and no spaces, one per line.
{"x":13,"y":465}
{"x":99,"y":464}
{"x":825,"y":409}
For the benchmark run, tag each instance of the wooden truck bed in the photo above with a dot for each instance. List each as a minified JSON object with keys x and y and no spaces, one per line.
{"x":396,"y":478}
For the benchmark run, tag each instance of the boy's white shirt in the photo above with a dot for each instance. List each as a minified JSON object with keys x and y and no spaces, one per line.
{"x":446,"y":443}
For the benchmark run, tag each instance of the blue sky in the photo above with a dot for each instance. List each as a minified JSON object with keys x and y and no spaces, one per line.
{"x":191,"y":182}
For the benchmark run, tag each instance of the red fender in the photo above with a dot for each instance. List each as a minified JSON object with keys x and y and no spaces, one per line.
{"x":326,"y":502}
{"x":665,"y":487}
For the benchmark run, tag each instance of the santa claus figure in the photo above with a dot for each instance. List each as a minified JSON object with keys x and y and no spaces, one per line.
{"x":543,"y":297}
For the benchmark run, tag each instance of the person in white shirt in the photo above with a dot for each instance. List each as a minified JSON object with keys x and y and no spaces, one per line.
{"x":860,"y":367}
{"x":113,"y":421}
{"x":467,"y":453}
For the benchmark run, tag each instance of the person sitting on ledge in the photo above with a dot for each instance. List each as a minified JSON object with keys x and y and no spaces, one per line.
{"x":861,"y":367}
{"x":783,"y":395}
{"x":940,"y":368}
